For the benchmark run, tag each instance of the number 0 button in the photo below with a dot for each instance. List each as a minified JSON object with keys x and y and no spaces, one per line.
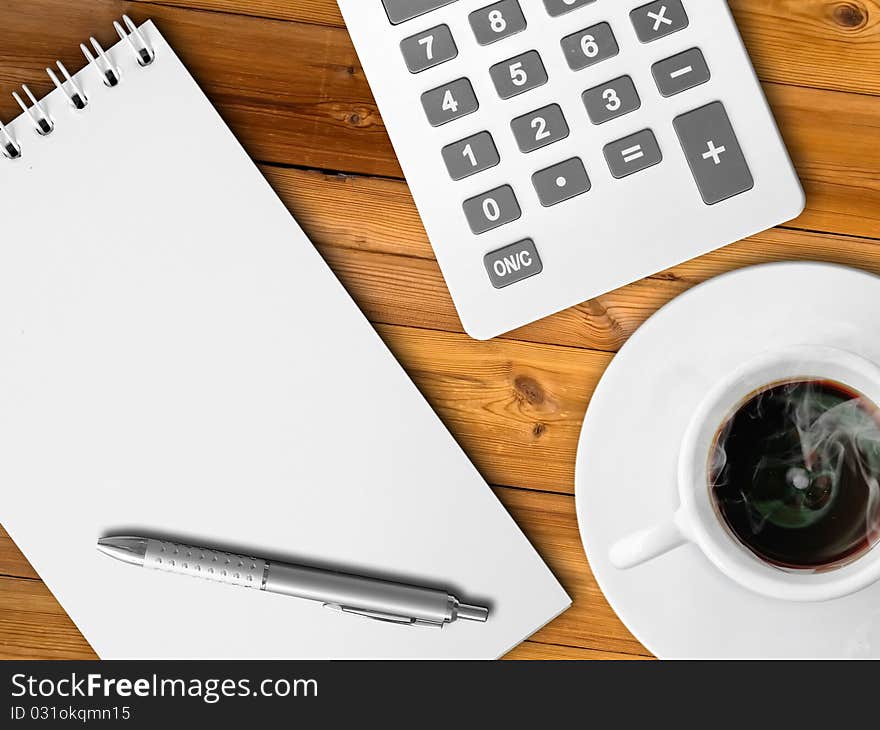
{"x":470,"y":155}
{"x":518,"y":74}
{"x":497,"y":21}
{"x":539,"y":128}
{"x":492,"y":209}
{"x":449,"y":102}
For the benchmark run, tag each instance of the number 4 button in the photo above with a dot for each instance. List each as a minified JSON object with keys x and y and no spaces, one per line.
{"x":445,"y":103}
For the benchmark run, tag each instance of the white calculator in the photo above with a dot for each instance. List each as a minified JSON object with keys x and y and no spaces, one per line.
{"x":559,"y":149}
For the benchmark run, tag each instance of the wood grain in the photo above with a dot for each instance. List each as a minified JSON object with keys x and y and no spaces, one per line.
{"x":285,"y":77}
{"x":319,"y":113}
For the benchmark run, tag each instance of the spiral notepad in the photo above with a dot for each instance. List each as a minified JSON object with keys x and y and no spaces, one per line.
{"x":176,"y":358}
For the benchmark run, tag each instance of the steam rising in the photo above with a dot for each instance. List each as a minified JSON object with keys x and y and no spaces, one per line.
{"x":800,"y":463}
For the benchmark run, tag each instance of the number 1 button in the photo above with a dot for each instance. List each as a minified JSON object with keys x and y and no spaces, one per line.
{"x":492,"y":209}
{"x":445,"y":103}
{"x":470,"y":155}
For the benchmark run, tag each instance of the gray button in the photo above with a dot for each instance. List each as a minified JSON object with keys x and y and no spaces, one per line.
{"x":518,"y":74}
{"x":589,"y":46}
{"x":611,"y":100}
{"x":561,"y":7}
{"x":497,"y":21}
{"x":491,"y":209}
{"x":658,"y":19}
{"x":539,"y":128}
{"x":681,"y":72}
{"x":428,"y":49}
{"x":713,"y":152}
{"x":450,"y":101}
{"x":513,"y":263}
{"x":561,"y":182}
{"x":401,"y":10}
{"x":634,"y":153}
{"x":470,"y":155}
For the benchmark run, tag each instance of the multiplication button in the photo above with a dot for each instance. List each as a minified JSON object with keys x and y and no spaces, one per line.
{"x":713,"y":153}
{"x":658,"y":19}
{"x":513,"y":263}
{"x":561,"y":182}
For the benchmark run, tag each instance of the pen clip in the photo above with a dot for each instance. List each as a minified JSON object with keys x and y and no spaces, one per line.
{"x":385,"y":617}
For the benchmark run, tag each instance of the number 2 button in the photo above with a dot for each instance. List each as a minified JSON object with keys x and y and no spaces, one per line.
{"x":445,"y":103}
{"x":539,"y":128}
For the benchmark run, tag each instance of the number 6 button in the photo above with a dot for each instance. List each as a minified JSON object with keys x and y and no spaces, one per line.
{"x":492,"y":209}
{"x":588,"y":47}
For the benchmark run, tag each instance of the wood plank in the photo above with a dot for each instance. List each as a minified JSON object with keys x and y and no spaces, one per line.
{"x":813,"y":43}
{"x":314,"y":108}
{"x":369,"y":232}
{"x":31,"y":620}
{"x":533,"y":650}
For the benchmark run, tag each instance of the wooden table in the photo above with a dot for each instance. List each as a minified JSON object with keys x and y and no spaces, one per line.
{"x":285,"y":77}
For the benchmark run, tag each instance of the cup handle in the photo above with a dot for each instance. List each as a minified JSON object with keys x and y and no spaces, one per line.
{"x":647,"y":544}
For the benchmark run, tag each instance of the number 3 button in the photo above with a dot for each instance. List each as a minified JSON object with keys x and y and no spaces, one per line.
{"x":611,"y":100}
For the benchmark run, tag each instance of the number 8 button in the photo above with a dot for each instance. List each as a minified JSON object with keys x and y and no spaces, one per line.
{"x":497,"y":21}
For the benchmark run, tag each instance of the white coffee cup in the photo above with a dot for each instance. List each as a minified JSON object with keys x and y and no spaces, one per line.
{"x":696,"y":520}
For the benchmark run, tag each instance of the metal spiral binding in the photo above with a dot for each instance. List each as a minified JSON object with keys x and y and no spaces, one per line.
{"x":43,"y":123}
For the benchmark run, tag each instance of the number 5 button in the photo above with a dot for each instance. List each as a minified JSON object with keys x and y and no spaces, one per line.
{"x":445,"y":103}
{"x":492,"y":209}
{"x":518,"y":74}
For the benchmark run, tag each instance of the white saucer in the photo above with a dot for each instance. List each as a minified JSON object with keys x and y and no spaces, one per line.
{"x":680,"y":605}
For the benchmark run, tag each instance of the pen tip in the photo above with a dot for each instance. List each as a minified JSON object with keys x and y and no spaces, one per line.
{"x":127,"y":549}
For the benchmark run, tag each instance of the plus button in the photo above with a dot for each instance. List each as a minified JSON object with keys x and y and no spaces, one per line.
{"x":714,"y":152}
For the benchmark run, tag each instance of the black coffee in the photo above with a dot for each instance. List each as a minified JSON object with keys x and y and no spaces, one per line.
{"x":795,"y":474}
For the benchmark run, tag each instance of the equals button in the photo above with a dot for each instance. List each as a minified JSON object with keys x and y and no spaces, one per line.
{"x":681,"y":72}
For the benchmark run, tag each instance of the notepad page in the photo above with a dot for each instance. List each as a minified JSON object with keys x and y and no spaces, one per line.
{"x":176,"y":359}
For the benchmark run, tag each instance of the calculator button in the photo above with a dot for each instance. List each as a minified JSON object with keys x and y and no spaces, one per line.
{"x":561,"y":7}
{"x":513,"y":263}
{"x":492,"y":209}
{"x":448,"y":102}
{"x":632,"y":154}
{"x":497,"y":21}
{"x":470,"y":155}
{"x":611,"y":100}
{"x":518,"y":74}
{"x":658,"y":19}
{"x":713,"y":153}
{"x":681,"y":72}
{"x":402,"y":10}
{"x":539,"y":128}
{"x":589,"y":46}
{"x":428,"y":49}
{"x":561,"y":182}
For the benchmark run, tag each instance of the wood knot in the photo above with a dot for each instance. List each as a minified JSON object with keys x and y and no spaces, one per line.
{"x":538,"y":430}
{"x":529,"y":390}
{"x":850,"y":15}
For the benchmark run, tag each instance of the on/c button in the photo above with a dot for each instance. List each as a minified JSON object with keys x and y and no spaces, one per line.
{"x":513,"y":263}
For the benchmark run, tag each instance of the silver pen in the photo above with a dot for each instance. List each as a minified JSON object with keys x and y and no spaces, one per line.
{"x":376,"y":599}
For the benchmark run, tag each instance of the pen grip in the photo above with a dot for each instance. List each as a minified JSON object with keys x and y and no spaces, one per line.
{"x":221,"y":567}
